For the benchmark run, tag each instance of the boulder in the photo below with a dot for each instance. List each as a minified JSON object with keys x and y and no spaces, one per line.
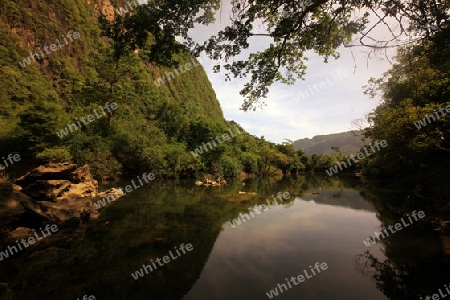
{"x":70,"y":212}
{"x":17,"y":208}
{"x":51,"y":171}
{"x":49,"y":190}
{"x":56,"y":193}
{"x":58,"y":181}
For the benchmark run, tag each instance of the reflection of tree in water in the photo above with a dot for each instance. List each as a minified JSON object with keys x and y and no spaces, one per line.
{"x":407,"y":278}
{"x":130,"y":233}
{"x":390,"y":279}
{"x":416,"y":264}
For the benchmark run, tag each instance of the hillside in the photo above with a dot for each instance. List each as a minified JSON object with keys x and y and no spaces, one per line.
{"x":75,"y":89}
{"x":347,"y":142}
{"x":57,"y":67}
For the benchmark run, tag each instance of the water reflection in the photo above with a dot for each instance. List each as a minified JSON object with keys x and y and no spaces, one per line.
{"x":251,"y":259}
{"x":416,"y":264}
{"x":325,"y":220}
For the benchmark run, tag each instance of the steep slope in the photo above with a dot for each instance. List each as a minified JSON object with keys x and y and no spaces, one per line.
{"x":29,"y":26}
{"x":50,"y":78}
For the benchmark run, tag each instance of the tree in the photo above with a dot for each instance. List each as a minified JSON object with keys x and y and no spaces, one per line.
{"x":292,"y":161}
{"x":321,"y":26}
{"x":269,"y":157}
{"x":337,"y":150}
{"x":56,"y":154}
{"x":164,"y":21}
{"x":294,"y":28}
{"x":114,"y":80}
{"x":40,"y":123}
{"x":416,"y":89}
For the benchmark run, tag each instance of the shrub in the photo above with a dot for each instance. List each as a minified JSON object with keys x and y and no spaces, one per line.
{"x":56,"y":154}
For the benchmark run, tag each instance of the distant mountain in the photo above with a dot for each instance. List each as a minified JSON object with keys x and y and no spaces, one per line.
{"x":347,"y":142}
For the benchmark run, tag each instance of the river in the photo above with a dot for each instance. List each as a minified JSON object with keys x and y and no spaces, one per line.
{"x":323,"y":221}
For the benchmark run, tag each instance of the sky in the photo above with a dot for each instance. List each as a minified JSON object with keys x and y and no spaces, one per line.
{"x":327,"y":101}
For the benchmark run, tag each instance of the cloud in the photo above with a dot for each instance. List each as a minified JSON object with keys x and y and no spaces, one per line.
{"x":329,"y":110}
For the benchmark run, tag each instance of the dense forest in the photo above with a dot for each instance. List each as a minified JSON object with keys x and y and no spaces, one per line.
{"x":160,"y":119}
{"x":155,"y":126}
{"x":413,"y":118}
{"x":96,"y":93}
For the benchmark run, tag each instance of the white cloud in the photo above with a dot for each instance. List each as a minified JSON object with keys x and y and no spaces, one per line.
{"x":329,"y":110}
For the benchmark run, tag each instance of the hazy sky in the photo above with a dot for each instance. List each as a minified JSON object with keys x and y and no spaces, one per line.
{"x":327,"y":108}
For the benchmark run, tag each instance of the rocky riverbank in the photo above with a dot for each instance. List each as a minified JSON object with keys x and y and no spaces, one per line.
{"x":56,"y":193}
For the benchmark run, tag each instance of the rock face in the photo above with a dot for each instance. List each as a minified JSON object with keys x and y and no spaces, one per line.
{"x":56,"y":193}
{"x":58,"y":181}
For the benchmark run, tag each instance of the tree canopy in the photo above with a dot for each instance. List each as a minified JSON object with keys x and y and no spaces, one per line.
{"x":295,"y":27}
{"x":413,"y":117}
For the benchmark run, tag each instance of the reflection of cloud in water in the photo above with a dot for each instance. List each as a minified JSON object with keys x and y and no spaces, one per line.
{"x":281,"y":243}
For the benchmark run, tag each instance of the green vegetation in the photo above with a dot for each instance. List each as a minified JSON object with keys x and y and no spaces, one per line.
{"x":154,"y":128}
{"x":297,"y":28}
{"x":418,"y":85}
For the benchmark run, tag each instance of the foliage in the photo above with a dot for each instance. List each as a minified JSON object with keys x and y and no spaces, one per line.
{"x":57,"y":154}
{"x":105,"y":165}
{"x":229,"y":166}
{"x":152,"y":130}
{"x":155,"y":127}
{"x":416,"y":87}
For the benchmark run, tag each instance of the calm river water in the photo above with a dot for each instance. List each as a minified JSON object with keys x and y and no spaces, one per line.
{"x":325,"y":221}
